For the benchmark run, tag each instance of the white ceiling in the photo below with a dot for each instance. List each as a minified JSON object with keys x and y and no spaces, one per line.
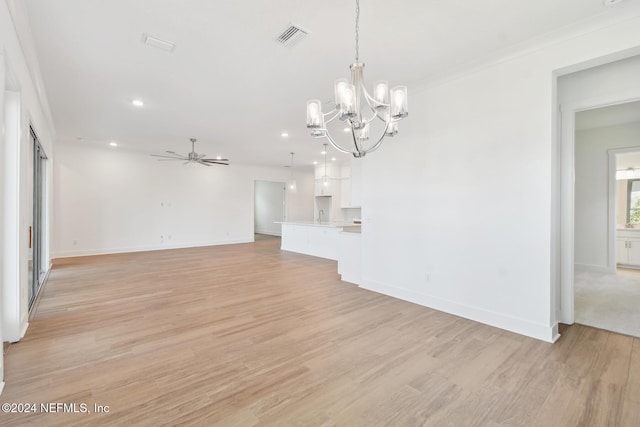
{"x":231,"y":86}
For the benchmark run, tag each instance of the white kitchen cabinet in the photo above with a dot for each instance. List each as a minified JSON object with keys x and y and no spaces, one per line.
{"x":628,"y":248}
{"x":313,"y":239}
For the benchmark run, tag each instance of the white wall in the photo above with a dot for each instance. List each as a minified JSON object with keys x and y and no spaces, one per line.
{"x":457,"y":210}
{"x":109,"y":200}
{"x":269,"y":207}
{"x":592,"y":189}
{"x":20,"y":75}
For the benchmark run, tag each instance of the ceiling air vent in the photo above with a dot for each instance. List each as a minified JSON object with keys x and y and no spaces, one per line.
{"x":152,"y":41}
{"x":291,"y":35}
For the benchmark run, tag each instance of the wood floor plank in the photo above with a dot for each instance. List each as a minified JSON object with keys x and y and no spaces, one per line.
{"x":248,"y":335}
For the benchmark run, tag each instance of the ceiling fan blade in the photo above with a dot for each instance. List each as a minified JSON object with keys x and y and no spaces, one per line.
{"x":203,"y":163}
{"x":200,"y":156}
{"x":167,"y":157}
{"x":216,"y":160}
{"x":170,"y":160}
{"x":171,"y":152}
{"x":217,"y":163}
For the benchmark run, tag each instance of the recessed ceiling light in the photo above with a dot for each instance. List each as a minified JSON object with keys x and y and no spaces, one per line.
{"x":347,"y":129}
{"x":285,"y":134}
{"x":113,"y":144}
{"x":219,"y":158}
{"x":323,"y":152}
{"x":137,"y":102}
{"x":315,"y":162}
{"x":333,"y":159}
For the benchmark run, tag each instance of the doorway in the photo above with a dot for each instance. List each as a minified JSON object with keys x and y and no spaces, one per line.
{"x":607,"y":218}
{"x":37,"y":267}
{"x":269,"y":207}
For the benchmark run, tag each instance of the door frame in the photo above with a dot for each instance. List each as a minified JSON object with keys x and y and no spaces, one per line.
{"x":39,"y":224}
{"x":566,"y":306}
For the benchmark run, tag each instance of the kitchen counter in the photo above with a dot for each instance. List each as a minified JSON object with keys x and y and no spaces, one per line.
{"x":320,"y":224}
{"x":339,"y":241}
{"x":314,"y":238}
{"x":353,"y":228}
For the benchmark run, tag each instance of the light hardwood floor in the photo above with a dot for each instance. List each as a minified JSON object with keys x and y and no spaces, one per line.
{"x":245,"y":335}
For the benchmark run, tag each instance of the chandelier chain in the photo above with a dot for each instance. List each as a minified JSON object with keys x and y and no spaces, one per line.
{"x":357,"y":30}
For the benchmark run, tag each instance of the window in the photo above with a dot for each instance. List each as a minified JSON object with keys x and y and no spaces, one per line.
{"x":633,"y":201}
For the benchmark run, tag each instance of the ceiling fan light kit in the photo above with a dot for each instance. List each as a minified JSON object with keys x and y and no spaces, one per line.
{"x":191,"y":157}
{"x":389,"y":106}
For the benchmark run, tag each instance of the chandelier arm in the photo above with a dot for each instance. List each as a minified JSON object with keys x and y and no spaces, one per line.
{"x":377,"y":114}
{"x":335,"y":113}
{"x":379,"y":143}
{"x":385,"y":119}
{"x":355,"y":143}
{"x":370,"y":119}
{"x":335,"y":145}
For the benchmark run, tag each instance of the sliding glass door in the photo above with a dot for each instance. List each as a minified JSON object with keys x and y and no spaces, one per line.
{"x":37,"y":258}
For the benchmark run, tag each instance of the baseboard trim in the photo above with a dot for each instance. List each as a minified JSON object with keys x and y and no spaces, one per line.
{"x":269,"y":233}
{"x":629,"y":266}
{"x":594,"y":268}
{"x":24,"y":330}
{"x":109,"y":251}
{"x":498,"y":320}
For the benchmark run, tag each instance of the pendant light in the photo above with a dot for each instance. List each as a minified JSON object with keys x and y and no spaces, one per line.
{"x":325,"y":177}
{"x":292,"y":184}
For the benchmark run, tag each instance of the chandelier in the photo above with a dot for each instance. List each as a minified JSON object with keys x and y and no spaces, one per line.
{"x":351,"y":102}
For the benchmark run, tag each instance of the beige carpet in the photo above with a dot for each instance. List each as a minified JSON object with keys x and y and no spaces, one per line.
{"x":608,"y":301}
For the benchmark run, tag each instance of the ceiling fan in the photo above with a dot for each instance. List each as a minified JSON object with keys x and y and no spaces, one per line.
{"x":191,"y":157}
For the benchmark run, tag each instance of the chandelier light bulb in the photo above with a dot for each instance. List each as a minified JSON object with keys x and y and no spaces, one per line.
{"x":339,"y":88}
{"x":381,"y":92}
{"x":399,"y":108}
{"x":363,"y":133}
